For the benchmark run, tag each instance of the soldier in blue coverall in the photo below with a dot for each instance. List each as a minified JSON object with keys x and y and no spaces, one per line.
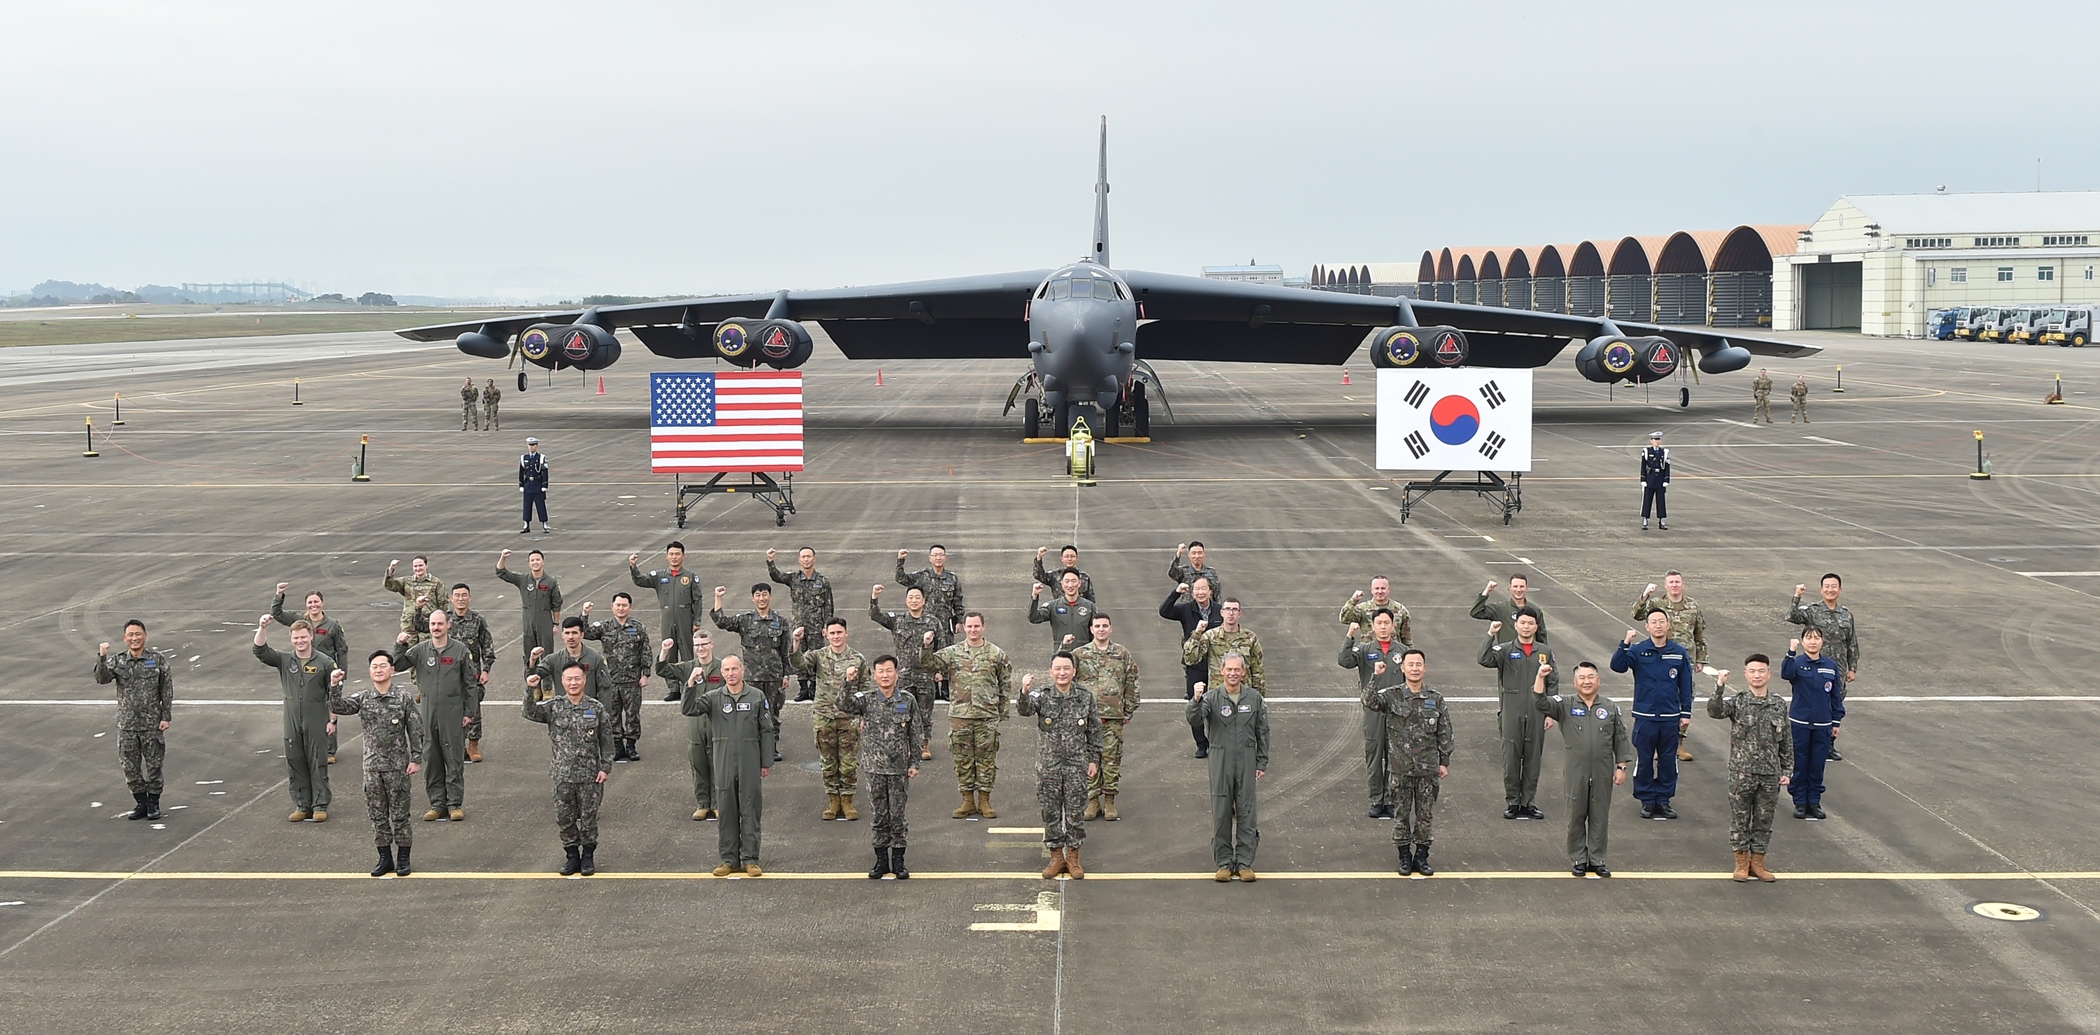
{"x":1662,"y":708}
{"x":1817,"y":709}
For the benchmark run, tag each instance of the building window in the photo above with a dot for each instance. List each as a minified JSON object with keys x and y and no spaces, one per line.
{"x":1932,"y":275}
{"x":2045,"y":273}
{"x":1928,"y":242}
{"x":1959,"y":274}
{"x":2088,"y":273}
{"x":2066,"y":239}
{"x":1997,"y":242}
{"x":2005,"y":274}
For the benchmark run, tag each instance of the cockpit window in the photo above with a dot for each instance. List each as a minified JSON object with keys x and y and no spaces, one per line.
{"x":1082,"y":287}
{"x":1044,"y":291}
{"x":1106,"y":289}
{"x":1060,"y":289}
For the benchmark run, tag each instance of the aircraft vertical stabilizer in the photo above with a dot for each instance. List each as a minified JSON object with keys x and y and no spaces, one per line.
{"x":1101,"y":202}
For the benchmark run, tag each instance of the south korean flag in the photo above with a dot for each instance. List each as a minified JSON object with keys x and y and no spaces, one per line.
{"x":1468,"y":419}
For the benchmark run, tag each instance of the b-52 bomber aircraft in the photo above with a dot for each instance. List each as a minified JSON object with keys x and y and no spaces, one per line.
{"x":1091,"y":330}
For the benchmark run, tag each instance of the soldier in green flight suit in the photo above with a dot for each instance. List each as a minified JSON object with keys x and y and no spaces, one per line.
{"x":328,"y":634}
{"x":539,"y":596}
{"x":306,"y":676}
{"x":690,"y":682}
{"x":1236,"y":721}
{"x":1594,"y":730}
{"x":1515,"y":661}
{"x":743,"y":734}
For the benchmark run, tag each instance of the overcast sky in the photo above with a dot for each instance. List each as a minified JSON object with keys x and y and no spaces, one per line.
{"x":538,"y":149}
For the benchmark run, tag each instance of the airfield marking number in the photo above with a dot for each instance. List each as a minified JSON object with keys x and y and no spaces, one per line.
{"x":1048,"y":917}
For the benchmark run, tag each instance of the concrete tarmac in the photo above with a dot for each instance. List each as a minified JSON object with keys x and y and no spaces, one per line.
{"x":1968,"y":779}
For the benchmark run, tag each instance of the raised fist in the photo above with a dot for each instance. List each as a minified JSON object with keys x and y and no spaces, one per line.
{"x":336,"y":680}
{"x":282,"y":586}
{"x":876,"y":593}
{"x":926,"y":639}
{"x":902,"y":554}
{"x":104,"y":649}
{"x":532,"y":681}
{"x":1036,"y":592}
{"x":1494,"y":627}
{"x":587,"y":605}
{"x":1649,"y":590}
{"x":263,"y":622}
{"x":505,"y":555}
{"x":1353,"y":627}
{"x":852,"y":673}
{"x":665,"y":650}
{"x":1181,"y":587}
{"x":634,"y":560}
{"x":391,"y":565}
{"x":1199,"y":690}
{"x":1378,"y":669}
{"x":1356,"y":596}
{"x":1041,"y":552}
{"x":771,"y":553}
{"x":536,"y":652}
{"x":1793,"y":645}
{"x":1631,"y":636}
{"x":1028,"y":682}
{"x":1490,"y":589}
{"x":1180,"y":548}
{"x":1800,"y":588}
{"x":1202,"y":625}
{"x":1067,"y":640}
{"x":1545,"y":669}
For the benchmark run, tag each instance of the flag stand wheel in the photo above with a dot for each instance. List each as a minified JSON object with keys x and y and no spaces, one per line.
{"x":780,"y":495}
{"x":1484,"y":483}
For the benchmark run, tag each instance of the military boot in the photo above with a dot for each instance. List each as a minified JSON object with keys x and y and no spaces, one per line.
{"x":846,"y":809}
{"x":831,"y":806}
{"x":386,"y":862}
{"x":968,"y":806}
{"x":1422,"y":861}
{"x":473,"y":751}
{"x":1093,"y":808}
{"x":401,"y":867}
{"x":1758,"y":870}
{"x":139,"y":810}
{"x":1072,"y":866}
{"x":882,"y":864}
{"x":1742,"y":867}
{"x":897,"y":864}
{"x":1108,"y":807}
{"x":590,"y":861}
{"x":573,"y":862}
{"x":1407,"y":860}
{"x":152,"y":806}
{"x":1056,"y":865}
{"x":984,"y":806}
{"x":634,"y":751}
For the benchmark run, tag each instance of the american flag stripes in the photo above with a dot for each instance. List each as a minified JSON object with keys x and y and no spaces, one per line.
{"x":736,"y":421}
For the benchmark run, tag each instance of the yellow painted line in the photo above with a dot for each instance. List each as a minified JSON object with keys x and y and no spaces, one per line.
{"x":1092,"y":875}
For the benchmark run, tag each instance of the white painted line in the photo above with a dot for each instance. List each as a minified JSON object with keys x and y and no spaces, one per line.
{"x":2060,"y":574}
{"x":1830,"y":441}
{"x":1013,"y":830}
{"x":1047,"y":916}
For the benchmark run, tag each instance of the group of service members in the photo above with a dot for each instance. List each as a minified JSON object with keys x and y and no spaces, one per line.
{"x":874,"y":718}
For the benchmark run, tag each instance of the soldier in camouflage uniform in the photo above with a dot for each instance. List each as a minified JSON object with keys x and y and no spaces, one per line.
{"x":1761,"y":392}
{"x":1056,"y":579}
{"x":893,"y":725}
{"x":468,"y":414}
{"x":1687,"y":626}
{"x":1109,"y":670}
{"x":980,"y":680}
{"x":597,"y":679}
{"x":1505,"y":609}
{"x":328,"y":635}
{"x":677,"y":597}
{"x":627,"y":667}
{"x":690,"y":682}
{"x":1760,"y":762}
{"x":489,"y":398}
{"x":1377,"y":664}
{"x":470,"y":628}
{"x":582,"y":737}
{"x":1599,"y":747}
{"x":1229,"y":638}
{"x":1358,"y":613}
{"x":810,"y":593}
{"x":1187,"y":566}
{"x":765,"y":637}
{"x":393,"y":732}
{"x":1418,"y":735}
{"x":1069,"y":615}
{"x":943,"y":589}
{"x":838,"y":670}
{"x":539,"y":597}
{"x":907,"y":629}
{"x":1799,"y":390}
{"x":306,"y":676}
{"x":145,"y":707}
{"x":420,"y":596}
{"x":1840,"y":632}
{"x":1067,"y":756}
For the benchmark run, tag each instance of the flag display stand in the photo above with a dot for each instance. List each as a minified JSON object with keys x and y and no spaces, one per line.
{"x":1487,"y":484}
{"x":778,"y":494}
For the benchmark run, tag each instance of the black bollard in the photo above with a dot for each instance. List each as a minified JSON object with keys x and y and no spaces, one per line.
{"x":91,"y":438}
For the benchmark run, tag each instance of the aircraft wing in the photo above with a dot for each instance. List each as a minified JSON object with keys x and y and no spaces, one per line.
{"x":959,"y":318}
{"x":1192,"y":318}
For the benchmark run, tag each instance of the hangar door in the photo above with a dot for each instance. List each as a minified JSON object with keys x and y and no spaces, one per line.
{"x":1830,"y":295}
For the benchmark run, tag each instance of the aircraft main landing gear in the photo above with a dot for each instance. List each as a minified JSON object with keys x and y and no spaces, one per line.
{"x":521,"y":380}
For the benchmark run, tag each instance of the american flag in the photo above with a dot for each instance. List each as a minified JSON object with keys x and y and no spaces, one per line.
{"x":746,"y":420}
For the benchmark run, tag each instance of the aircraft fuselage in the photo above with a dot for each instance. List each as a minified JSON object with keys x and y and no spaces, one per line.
{"x":1082,"y":333}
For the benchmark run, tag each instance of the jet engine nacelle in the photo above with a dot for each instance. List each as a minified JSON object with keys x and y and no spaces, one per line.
{"x":780,"y":344}
{"x":1418,"y":347}
{"x":1613,"y":358}
{"x":555,"y":346}
{"x":1726,"y":359}
{"x":482,"y":345}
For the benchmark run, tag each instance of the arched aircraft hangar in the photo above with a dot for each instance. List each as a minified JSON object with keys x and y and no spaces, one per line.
{"x":1719,"y":278}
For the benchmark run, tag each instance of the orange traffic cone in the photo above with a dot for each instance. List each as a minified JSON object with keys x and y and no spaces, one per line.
{"x":1345,"y":375}
{"x":601,"y":383}
{"x":878,"y":377}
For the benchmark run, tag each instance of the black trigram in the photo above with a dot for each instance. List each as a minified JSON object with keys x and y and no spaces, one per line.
{"x":1492,"y":444}
{"x":1491,"y":393}
{"x":1415,"y":396}
{"x":1416,"y":446}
